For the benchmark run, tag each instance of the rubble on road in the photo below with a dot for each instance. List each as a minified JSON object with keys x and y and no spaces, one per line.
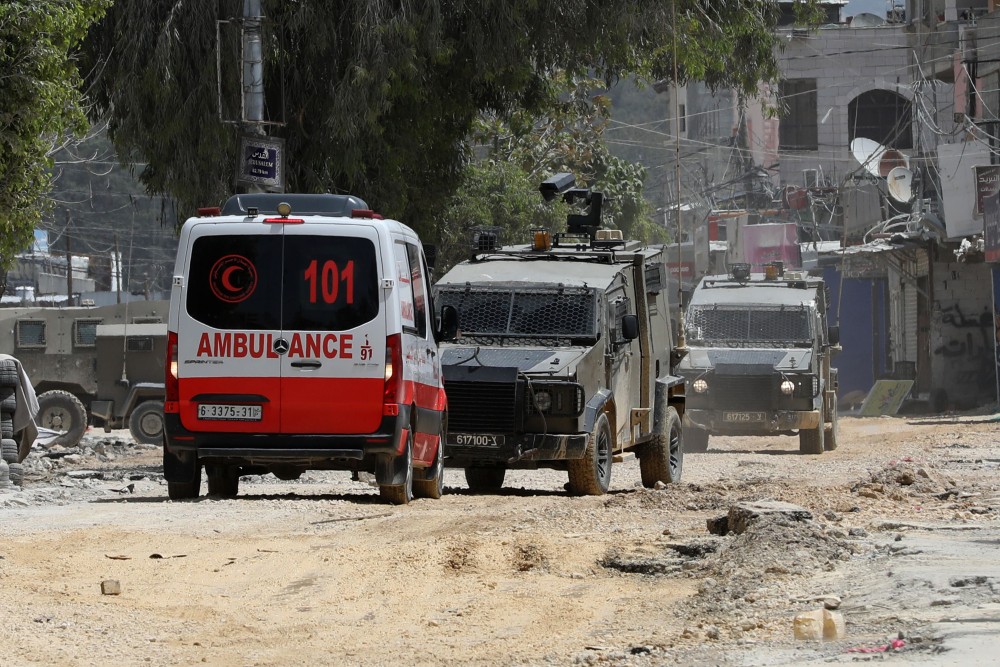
{"x":97,"y":467}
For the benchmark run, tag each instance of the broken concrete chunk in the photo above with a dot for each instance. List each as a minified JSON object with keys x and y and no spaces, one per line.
{"x":111,"y":587}
{"x":821,"y":624}
{"x":742,"y":515}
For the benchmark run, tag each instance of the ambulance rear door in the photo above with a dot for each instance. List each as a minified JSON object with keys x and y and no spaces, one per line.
{"x":229,"y":325}
{"x":334,"y":329}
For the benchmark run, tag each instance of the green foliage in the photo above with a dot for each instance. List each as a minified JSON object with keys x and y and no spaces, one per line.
{"x":379,"y":96}
{"x":39,"y":104}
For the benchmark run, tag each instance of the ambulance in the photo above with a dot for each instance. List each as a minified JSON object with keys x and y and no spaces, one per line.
{"x":302,"y":336}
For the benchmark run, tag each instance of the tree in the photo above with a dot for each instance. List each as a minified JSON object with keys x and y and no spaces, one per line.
{"x":378,"y":96}
{"x":512,"y":155}
{"x":39,"y":104}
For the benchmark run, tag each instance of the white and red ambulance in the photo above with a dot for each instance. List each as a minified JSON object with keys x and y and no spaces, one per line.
{"x":302,"y":336}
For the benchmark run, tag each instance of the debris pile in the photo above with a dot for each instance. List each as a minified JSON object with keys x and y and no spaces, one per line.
{"x":96,"y":467}
{"x":900,"y":480}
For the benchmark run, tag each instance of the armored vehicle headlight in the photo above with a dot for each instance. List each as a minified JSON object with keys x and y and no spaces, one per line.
{"x":543,"y":400}
{"x":700,"y":386}
{"x":787,"y":387}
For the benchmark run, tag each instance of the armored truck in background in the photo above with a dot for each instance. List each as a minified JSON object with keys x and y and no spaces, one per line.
{"x":79,"y":362}
{"x":564,"y":356}
{"x":759,"y":359}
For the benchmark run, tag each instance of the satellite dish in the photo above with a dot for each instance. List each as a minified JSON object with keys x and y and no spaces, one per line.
{"x":889,"y":160}
{"x":900,"y":182}
{"x":868,"y":153}
{"x":867,"y":20}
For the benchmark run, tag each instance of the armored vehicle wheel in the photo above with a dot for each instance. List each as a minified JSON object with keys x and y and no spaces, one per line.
{"x":401,"y":494}
{"x":662,"y":458}
{"x":16,"y":471}
{"x":485,"y":480}
{"x":146,"y":423}
{"x":811,"y":439}
{"x":591,"y":475}
{"x":695,"y":439}
{"x":8,"y":450}
{"x":433,"y":486}
{"x":62,"y":411}
{"x":832,"y":430}
{"x":185,"y":490}
{"x":223,"y":480}
{"x":8,"y":373}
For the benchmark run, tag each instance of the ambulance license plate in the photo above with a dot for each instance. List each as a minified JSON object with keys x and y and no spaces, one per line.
{"x":475,"y":440}
{"x":744,"y":416}
{"x":236,"y":413}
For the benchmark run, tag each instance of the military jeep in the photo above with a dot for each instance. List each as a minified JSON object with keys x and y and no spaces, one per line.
{"x":563,"y":358}
{"x":759,"y":359}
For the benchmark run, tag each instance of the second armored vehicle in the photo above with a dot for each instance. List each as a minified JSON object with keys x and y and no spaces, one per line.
{"x":759,"y":360}
{"x":564,"y":356}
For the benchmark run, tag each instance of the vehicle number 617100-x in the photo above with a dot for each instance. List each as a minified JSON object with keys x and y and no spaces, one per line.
{"x":475,"y":440}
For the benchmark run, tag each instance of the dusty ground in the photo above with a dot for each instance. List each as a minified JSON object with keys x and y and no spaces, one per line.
{"x":318,"y":571}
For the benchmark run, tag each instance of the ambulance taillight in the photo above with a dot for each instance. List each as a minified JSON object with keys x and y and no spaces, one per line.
{"x":171,"y":401}
{"x":393,"y":375}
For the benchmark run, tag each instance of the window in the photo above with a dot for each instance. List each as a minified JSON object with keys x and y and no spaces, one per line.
{"x":798,"y":129}
{"x":85,"y":332}
{"x":30,"y":334}
{"x":139,"y":343}
{"x":254,"y":282}
{"x":882,"y":116}
{"x":419,"y":288}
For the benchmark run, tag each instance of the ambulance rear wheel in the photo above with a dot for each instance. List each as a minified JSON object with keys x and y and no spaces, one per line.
{"x":185,"y":490}
{"x":61,"y":411}
{"x":146,"y":423}
{"x":432,"y":486}
{"x":223,"y":480}
{"x":401,"y":494}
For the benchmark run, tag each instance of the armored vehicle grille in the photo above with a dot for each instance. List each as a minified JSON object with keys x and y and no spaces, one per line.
{"x":744,"y":392}
{"x":475,"y":407}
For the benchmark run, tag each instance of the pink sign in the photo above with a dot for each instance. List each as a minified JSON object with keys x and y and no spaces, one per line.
{"x":763,"y":244}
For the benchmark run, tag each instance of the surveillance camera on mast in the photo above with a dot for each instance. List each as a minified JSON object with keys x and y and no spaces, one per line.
{"x":576,"y":223}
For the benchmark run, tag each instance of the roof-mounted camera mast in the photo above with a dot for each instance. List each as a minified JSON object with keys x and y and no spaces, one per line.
{"x":577,"y":224}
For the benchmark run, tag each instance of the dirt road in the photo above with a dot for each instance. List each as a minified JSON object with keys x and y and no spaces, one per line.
{"x":319,"y":571}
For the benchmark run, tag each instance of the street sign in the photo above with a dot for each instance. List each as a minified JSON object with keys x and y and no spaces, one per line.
{"x":261,"y":163}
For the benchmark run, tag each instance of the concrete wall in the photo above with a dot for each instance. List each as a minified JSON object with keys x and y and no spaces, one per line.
{"x":962,"y":336}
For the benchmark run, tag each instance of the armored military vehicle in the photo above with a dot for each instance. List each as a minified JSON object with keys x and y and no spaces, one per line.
{"x":759,"y":359}
{"x":564,"y":355}
{"x":65,"y":354}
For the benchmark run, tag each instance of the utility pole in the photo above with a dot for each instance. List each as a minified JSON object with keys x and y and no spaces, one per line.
{"x":253,"y":67}
{"x":117,"y":270}
{"x":69,"y":263}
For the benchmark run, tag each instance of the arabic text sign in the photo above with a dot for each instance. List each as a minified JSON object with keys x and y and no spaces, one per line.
{"x":991,"y":227}
{"x":987,"y":183}
{"x":262,"y":162}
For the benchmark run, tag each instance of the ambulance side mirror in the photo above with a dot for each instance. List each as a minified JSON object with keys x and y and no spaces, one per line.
{"x":448,"y":324}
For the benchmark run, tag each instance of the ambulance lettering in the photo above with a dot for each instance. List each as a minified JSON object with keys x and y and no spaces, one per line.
{"x":257,"y":345}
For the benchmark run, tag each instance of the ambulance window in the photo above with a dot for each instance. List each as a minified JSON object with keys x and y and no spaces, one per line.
{"x":234,"y":282}
{"x":419,"y":289}
{"x":331,"y":283}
